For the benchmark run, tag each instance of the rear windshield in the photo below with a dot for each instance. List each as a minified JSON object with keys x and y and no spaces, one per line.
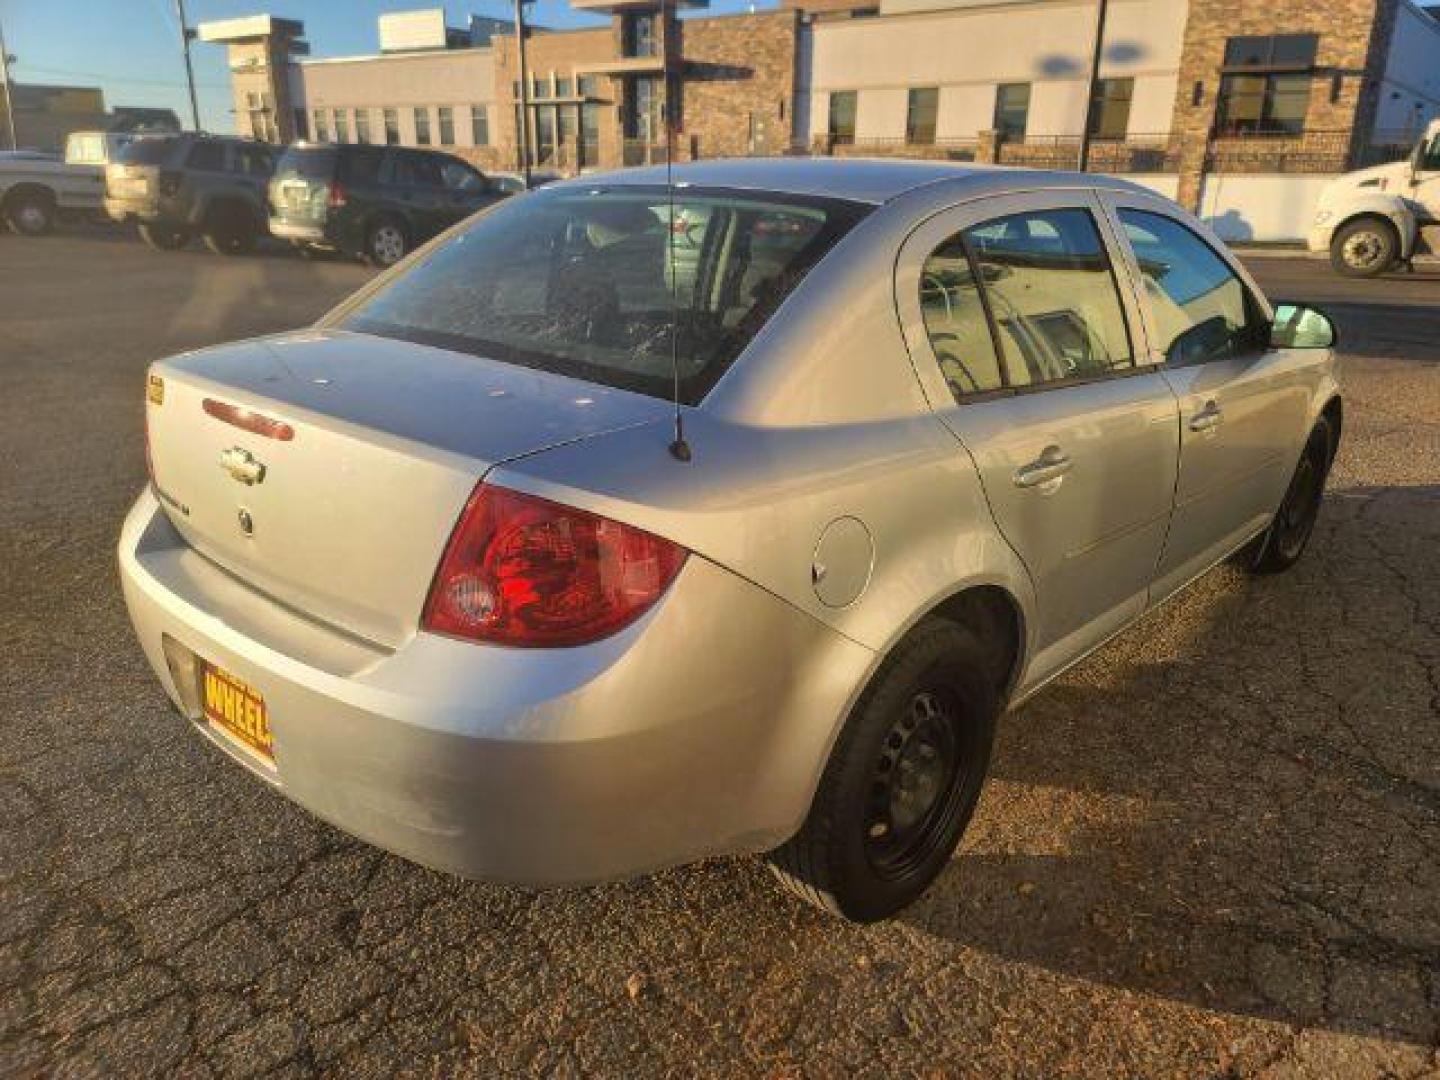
{"x":306,"y":164}
{"x":584,"y":282}
{"x":146,"y":151}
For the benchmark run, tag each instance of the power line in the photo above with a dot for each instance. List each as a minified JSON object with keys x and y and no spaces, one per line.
{"x":122,"y":79}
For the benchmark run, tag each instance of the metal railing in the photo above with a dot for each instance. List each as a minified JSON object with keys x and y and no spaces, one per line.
{"x":1141,"y":153}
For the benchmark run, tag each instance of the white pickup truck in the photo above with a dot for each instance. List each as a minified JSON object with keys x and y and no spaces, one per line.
{"x":1373,"y":219}
{"x":36,"y":188}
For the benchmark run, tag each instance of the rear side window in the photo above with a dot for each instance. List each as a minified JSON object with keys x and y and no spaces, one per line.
{"x":146,"y":152}
{"x":254,"y":160}
{"x":417,"y":170}
{"x":206,"y":157}
{"x":1201,"y":310}
{"x":1024,"y":301}
{"x":601,"y":285}
{"x":361,"y":167}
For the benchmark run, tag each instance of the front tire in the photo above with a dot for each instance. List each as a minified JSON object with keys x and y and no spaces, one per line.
{"x":902,"y":780}
{"x":386,"y":243}
{"x":1365,"y":247}
{"x":1285,"y":541}
{"x":30,"y":213}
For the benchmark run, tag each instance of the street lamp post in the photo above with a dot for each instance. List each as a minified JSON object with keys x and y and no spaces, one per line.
{"x":1096,"y":56}
{"x":524,"y":131}
{"x":185,"y":35}
{"x":9,"y":98}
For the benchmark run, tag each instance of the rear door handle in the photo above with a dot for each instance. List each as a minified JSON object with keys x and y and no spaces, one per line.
{"x":1052,"y":464}
{"x":1207,"y":418}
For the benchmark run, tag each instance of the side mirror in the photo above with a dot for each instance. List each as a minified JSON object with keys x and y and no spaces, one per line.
{"x":1300,"y":327}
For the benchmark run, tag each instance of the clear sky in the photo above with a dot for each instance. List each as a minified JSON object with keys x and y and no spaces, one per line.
{"x":131,"y":48}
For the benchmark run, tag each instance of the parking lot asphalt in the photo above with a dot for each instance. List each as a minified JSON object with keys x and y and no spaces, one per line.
{"x":1212,"y":850}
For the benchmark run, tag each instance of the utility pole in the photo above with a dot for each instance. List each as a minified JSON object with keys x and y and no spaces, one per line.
{"x":524,"y":132}
{"x":9,"y":98}
{"x":185,"y":36}
{"x":1095,"y":59}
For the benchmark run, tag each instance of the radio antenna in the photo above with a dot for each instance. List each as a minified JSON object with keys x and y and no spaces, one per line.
{"x":679,"y":448}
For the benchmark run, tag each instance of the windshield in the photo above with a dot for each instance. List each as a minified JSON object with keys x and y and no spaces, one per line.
{"x":146,"y":151}
{"x":578,"y":281}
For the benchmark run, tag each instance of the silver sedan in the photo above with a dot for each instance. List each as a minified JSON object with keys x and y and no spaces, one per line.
{"x":634,"y":522}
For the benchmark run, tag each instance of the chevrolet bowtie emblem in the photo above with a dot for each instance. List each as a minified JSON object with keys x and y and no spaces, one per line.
{"x":242,"y":465}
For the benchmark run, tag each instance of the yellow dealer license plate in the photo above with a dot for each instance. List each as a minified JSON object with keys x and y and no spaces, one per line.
{"x":237,"y":709}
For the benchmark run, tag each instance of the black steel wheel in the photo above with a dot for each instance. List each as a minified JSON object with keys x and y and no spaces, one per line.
{"x":902,"y":781}
{"x":1294,"y":521}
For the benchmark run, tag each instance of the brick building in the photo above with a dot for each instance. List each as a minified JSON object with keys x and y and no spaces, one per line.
{"x":1185,"y":89}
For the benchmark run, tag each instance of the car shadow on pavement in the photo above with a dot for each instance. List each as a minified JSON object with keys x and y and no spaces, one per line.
{"x":1252,"y":822}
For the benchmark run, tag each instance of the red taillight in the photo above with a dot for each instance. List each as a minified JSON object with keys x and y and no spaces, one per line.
{"x":337,"y":195}
{"x":246,"y":420}
{"x":521,"y":570}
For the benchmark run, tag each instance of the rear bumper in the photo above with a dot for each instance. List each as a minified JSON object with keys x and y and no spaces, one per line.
{"x":302,"y":234}
{"x":699,"y":730}
{"x":123,"y":210}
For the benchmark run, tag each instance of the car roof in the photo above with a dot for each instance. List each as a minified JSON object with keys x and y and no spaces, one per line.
{"x":866,"y":180}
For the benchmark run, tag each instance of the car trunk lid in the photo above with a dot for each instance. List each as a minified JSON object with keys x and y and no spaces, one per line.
{"x":327,"y":469}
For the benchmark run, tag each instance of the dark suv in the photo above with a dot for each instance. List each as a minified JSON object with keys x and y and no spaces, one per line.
{"x":175,"y":186}
{"x":376,"y":202}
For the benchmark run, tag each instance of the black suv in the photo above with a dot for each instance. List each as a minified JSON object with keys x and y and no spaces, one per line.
{"x":175,"y":186}
{"x":377,"y":202}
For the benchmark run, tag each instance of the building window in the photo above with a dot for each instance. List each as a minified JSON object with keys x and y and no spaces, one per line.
{"x":322,"y":129}
{"x":920,"y":115}
{"x":1283,"y":52}
{"x":391,"y":118}
{"x":447,"y":126}
{"x":422,"y":126}
{"x":1265,"y":85}
{"x":842,"y":117}
{"x":1110,"y":108}
{"x":640,"y":35}
{"x":564,"y":86}
{"x":479,"y":125}
{"x":643,"y":118}
{"x":539,"y":87}
{"x":342,"y":126}
{"x":589,"y":86}
{"x":1262,"y":104}
{"x":362,"y":126}
{"x":302,"y":130}
{"x":589,"y":148}
{"x":1012,"y":110}
{"x":545,"y":135}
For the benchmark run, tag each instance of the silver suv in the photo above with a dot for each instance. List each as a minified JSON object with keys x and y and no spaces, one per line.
{"x":175,"y":187}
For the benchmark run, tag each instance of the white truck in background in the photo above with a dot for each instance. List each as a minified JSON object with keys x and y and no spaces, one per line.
{"x":36,"y":188}
{"x":1374,"y":219}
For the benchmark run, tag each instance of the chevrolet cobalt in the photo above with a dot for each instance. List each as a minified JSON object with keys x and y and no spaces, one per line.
{"x":635,"y":521}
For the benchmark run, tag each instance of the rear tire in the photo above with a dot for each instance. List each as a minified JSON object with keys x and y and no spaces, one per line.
{"x":30,"y":213}
{"x":1365,"y":247}
{"x":902,"y":780}
{"x":1285,"y":541}
{"x":163,"y":237}
{"x":386,"y":243}
{"x":230,"y":231}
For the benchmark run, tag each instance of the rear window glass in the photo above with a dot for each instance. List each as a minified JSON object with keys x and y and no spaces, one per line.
{"x":307,"y":164}
{"x":146,"y":151}
{"x":583,"y":282}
